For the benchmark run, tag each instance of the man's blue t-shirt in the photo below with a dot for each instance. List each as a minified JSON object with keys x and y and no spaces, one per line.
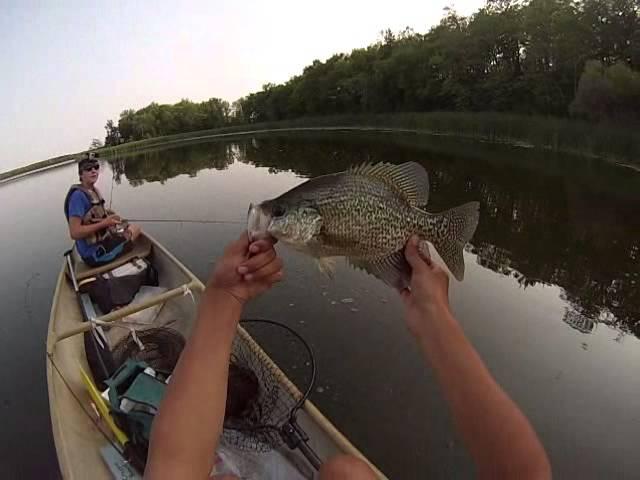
{"x":79,"y":205}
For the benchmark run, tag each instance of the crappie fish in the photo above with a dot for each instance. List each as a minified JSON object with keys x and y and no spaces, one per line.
{"x":367,"y":214}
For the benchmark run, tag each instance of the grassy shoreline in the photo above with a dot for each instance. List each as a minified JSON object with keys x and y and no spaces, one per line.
{"x":614,"y":144}
{"x":37,"y":166}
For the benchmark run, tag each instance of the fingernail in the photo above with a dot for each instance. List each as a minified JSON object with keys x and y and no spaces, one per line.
{"x":248,"y":277}
{"x":242,"y":270}
{"x":414,"y":240}
{"x":253,"y":248}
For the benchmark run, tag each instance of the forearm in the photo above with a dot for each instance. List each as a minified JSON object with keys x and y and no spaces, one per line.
{"x":496,"y":433}
{"x":189,"y":423}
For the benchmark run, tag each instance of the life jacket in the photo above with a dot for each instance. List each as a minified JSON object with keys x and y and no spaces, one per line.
{"x":95,"y":214}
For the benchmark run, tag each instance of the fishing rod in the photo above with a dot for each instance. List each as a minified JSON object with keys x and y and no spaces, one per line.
{"x":169,"y":220}
{"x":182,"y":220}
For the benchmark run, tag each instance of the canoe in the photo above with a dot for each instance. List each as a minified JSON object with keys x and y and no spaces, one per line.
{"x":80,"y":432}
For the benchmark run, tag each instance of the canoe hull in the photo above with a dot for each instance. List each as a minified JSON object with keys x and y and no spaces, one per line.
{"x":77,"y":431}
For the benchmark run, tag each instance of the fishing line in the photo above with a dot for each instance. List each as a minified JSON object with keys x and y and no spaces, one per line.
{"x":113,"y":174}
{"x":169,"y":220}
{"x":185,"y":220}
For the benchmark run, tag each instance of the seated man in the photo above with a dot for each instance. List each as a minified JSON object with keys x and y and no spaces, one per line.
{"x":100,"y":235}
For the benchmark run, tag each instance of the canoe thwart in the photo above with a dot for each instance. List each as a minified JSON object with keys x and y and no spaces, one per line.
{"x":123,"y":312}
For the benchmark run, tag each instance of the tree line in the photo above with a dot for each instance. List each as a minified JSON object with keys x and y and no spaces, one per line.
{"x":546,"y":57}
{"x":156,"y":120}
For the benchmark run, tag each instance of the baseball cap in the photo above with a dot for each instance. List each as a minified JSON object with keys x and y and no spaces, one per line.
{"x":88,"y":160}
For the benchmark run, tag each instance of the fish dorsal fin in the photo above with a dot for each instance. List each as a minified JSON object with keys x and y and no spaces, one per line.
{"x":393,"y":270}
{"x":409,"y":179}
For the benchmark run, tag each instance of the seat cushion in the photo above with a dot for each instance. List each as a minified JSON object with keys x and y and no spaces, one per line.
{"x":141,"y":249}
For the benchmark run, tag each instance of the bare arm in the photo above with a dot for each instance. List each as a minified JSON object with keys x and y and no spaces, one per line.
{"x":187,"y":428}
{"x":79,"y":231}
{"x":499,"y":437}
{"x":186,"y":431}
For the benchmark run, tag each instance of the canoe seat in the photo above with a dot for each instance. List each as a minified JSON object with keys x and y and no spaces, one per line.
{"x":141,"y":249}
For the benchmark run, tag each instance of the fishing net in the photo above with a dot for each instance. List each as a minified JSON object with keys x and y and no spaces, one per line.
{"x":162,"y":348}
{"x":261,"y":403}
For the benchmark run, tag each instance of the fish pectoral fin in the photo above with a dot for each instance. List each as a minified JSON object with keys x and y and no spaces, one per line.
{"x":394,"y":270}
{"x":409,"y":179}
{"x":327,"y":265}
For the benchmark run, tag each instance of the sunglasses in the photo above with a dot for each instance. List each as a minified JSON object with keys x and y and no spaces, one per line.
{"x":91,"y":168}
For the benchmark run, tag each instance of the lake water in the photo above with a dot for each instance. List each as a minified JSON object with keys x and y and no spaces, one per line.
{"x":551,"y":297}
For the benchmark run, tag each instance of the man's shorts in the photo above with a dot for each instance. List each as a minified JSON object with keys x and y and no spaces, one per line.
{"x":108,"y":250}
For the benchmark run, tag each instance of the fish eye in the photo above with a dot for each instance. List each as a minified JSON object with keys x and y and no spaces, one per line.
{"x":278,"y":210}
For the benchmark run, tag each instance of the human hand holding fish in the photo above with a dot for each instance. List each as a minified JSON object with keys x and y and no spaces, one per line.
{"x":366,"y":214}
{"x":246,"y":269}
{"x":427,"y":298}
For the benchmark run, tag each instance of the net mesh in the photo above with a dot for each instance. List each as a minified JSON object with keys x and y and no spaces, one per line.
{"x":259,"y":417}
{"x":162,"y":348}
{"x":258,"y":403}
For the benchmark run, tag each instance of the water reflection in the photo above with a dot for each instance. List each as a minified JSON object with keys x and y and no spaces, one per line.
{"x":550,"y":220}
{"x":161,"y":165}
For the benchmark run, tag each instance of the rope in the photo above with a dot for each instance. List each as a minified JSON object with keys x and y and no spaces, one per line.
{"x":188,"y":293}
{"x":134,"y":335}
{"x":96,"y":335}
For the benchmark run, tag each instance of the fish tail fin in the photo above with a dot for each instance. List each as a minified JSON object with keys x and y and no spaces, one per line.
{"x":450,"y":232}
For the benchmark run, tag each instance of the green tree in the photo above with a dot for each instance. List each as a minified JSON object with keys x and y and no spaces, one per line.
{"x":608,"y":93}
{"x":527,"y":56}
{"x":113,"y":134}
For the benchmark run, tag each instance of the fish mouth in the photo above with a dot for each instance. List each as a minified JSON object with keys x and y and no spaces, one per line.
{"x":258,"y":222}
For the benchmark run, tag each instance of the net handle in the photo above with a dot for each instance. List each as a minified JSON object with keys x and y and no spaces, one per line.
{"x":312,"y":360}
{"x":293,"y":435}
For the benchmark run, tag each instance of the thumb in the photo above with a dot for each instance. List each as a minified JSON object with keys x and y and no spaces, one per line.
{"x":412,"y":254}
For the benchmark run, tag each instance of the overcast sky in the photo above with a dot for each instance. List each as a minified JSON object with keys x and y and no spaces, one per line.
{"x":67,"y":67}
